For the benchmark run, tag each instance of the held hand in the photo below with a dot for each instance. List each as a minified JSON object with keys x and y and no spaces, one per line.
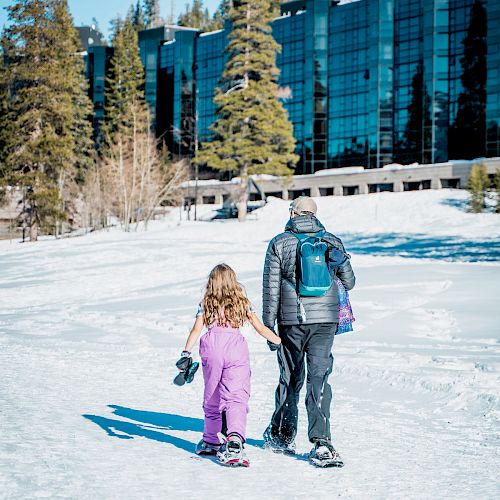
{"x":187,"y":369}
{"x":184,"y":361}
{"x":272,"y":346}
{"x":273,"y":340}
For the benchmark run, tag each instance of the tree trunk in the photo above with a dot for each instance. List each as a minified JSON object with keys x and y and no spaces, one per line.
{"x":34,"y":231}
{"x":123,"y":183}
{"x":133,"y":201}
{"x":243,"y":195}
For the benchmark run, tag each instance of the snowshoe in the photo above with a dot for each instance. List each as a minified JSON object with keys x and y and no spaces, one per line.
{"x":204,"y":448}
{"x":325,"y":455}
{"x":187,"y":376}
{"x":231,"y":452}
{"x":276,"y":443}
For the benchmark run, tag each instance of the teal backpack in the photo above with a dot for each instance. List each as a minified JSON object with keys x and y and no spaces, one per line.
{"x":317,"y":261}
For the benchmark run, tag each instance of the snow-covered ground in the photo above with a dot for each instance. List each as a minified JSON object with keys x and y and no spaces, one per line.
{"x":90,"y":329}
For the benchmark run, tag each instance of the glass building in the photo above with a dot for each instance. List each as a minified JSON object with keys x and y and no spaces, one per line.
{"x":167,"y":54}
{"x":493,"y":80}
{"x":366,"y":82}
{"x":97,"y":64}
{"x":97,"y":57}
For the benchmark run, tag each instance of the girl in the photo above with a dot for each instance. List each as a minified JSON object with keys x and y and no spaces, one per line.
{"x":226,"y":365}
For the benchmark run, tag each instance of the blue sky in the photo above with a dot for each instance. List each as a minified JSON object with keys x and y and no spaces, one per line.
{"x":104,"y":10}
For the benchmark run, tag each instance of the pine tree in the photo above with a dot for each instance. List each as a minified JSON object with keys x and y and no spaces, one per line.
{"x":216,"y":23}
{"x":82,"y":109}
{"x":468,"y":133}
{"x":152,"y":13}
{"x":4,"y":98}
{"x":125,"y":81}
{"x":252,"y":134}
{"x":478,"y":184}
{"x":194,"y":16}
{"x":138,"y":17}
{"x":220,"y":15}
{"x":47,"y":129}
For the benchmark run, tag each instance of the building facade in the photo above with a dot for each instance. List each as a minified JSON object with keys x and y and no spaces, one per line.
{"x":366,"y":83}
{"x":97,"y":56}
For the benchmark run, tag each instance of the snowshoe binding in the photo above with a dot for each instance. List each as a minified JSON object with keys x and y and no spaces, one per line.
{"x":231,"y":452}
{"x":325,"y":455}
{"x":277,"y":444}
{"x":204,"y":448}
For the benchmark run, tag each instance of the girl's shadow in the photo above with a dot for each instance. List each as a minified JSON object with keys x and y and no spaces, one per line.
{"x":150,"y":424}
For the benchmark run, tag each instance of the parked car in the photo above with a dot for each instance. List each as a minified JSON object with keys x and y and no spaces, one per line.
{"x":229,"y":208}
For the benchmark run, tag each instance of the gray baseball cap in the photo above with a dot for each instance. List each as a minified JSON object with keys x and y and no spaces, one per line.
{"x":303,"y":205}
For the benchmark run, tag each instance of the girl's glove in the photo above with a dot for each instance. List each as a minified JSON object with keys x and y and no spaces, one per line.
{"x":184,"y":361}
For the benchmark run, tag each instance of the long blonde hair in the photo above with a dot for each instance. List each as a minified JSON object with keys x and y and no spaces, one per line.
{"x":225,"y":302}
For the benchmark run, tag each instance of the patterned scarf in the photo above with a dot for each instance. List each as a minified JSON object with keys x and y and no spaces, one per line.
{"x":346,"y":317}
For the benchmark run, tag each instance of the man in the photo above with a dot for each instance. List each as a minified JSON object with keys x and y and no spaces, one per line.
{"x":307,"y":327}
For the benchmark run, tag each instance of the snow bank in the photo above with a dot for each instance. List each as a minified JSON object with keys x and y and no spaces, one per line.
{"x":441,"y":212}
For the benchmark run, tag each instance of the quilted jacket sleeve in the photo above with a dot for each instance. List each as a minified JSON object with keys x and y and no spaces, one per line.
{"x":346,"y":274}
{"x":271,"y":286}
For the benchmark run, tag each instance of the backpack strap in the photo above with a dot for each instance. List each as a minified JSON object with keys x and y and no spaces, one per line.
{"x":331,"y":248}
{"x":301,"y":313}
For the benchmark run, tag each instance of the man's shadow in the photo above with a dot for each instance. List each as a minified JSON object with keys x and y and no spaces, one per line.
{"x":150,"y":424}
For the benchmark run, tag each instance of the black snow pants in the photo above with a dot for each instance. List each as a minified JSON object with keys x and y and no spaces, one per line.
{"x":304,"y":346}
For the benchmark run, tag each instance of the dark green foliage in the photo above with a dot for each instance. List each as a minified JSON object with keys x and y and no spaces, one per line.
{"x":137,"y":16}
{"x":72,"y":67}
{"x":252,"y":134}
{"x":4,"y":96}
{"x":467,"y":135}
{"x":125,"y":80}
{"x":478,"y":184}
{"x":46,"y":128}
{"x":152,"y":13}
{"x":43,"y":206}
{"x":220,"y":16}
{"x":195,"y":16}
{"x":222,"y":12}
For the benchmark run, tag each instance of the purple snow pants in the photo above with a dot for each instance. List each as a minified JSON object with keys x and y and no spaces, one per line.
{"x":226,"y":371}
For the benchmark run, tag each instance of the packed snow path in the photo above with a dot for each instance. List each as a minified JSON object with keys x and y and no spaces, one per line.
{"x":90,"y":329}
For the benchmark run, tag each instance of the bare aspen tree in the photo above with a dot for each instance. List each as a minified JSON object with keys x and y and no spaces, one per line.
{"x":135,"y":177}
